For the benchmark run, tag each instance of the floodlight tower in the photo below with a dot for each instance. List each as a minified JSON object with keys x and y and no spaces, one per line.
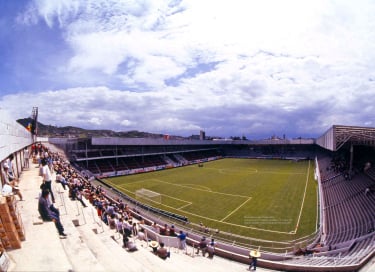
{"x":34,"y":123}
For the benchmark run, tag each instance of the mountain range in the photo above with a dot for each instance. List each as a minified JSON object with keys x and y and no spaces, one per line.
{"x":76,"y":132}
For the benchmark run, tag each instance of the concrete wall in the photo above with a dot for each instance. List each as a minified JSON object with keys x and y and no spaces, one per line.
{"x":13,"y":136}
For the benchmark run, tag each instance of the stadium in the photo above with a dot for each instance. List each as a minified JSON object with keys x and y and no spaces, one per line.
{"x":305,"y":204}
{"x":187,"y":135}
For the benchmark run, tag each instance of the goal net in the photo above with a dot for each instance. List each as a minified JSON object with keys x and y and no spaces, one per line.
{"x":146,"y":195}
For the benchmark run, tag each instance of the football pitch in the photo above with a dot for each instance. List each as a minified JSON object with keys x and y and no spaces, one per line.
{"x":265,"y":199}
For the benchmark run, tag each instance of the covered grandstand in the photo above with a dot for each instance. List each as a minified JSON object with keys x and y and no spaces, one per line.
{"x":345,"y":174}
{"x":122,"y":156}
{"x":337,"y":136}
{"x":346,"y":237}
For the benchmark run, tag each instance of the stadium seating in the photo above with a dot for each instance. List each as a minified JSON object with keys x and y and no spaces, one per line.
{"x":349,"y":214}
{"x":348,"y":211}
{"x":371,"y":173}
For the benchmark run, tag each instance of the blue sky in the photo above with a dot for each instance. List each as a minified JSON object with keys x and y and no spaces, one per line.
{"x":231,"y":68}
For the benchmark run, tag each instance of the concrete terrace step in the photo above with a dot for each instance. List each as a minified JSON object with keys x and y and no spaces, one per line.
{"x":106,"y":245}
{"x":43,"y":250}
{"x":79,"y":224}
{"x":86,"y":250}
{"x":110,"y":253}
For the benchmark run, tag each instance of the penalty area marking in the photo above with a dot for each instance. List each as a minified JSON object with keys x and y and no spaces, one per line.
{"x":184,"y":206}
{"x":188,"y":203}
{"x":138,"y":181}
{"x":212,"y":192}
{"x":228,"y":171}
{"x":215,"y":220}
{"x":236,"y":209}
{"x":198,"y":186}
{"x":179,"y":199}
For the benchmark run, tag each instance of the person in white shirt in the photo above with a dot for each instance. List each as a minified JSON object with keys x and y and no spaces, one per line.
{"x":26,"y":158}
{"x":11,"y":181}
{"x":47,"y":178}
{"x":11,"y":169}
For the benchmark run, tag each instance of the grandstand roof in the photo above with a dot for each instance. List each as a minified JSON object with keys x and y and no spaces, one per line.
{"x":335,"y":137}
{"x":161,"y":141}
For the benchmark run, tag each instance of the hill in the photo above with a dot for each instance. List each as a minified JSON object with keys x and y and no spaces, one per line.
{"x":76,"y":132}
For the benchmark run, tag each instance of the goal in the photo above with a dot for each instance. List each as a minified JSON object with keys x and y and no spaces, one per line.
{"x":148,"y":195}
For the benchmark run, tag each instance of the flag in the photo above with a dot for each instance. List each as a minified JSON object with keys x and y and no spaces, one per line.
{"x":29,"y":126}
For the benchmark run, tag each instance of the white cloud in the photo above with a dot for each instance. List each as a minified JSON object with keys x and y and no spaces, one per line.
{"x":95,"y":121}
{"x":219,"y":65}
{"x":99,"y":50}
{"x":126,"y":123}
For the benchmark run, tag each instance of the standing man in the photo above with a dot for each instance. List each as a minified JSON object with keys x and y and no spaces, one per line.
{"x":254,"y":255}
{"x":26,"y":157}
{"x":211,"y":248}
{"x":202,"y":246}
{"x":182,"y":238}
{"x":47,"y":178}
{"x":11,"y":169}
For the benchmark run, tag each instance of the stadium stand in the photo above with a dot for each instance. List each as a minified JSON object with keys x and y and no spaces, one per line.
{"x":180,"y":159}
{"x":371,"y":173}
{"x":91,"y":245}
{"x":346,"y":240}
{"x":347,"y":237}
{"x":350,"y":211}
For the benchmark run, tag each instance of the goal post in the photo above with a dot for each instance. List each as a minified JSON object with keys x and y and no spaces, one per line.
{"x":148,"y":195}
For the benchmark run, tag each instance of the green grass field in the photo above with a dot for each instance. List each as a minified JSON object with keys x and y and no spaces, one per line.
{"x":266,"y":199}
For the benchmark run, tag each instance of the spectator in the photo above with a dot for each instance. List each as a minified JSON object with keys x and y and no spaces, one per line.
{"x":127,"y":228}
{"x":182,"y":240}
{"x":254,"y":255}
{"x":202,"y":246}
{"x":8,"y":167}
{"x":11,"y":167}
{"x":105,"y":217}
{"x":134,"y":229}
{"x":76,"y":195}
{"x":120,"y":226}
{"x":50,"y":163}
{"x":253,"y":263}
{"x":141,"y":221}
{"x":128,"y":244}
{"x":206,"y":229}
{"x":47,"y":178}
{"x":172,"y":231}
{"x":201,"y":226}
{"x":211,"y":248}
{"x":98,"y":190}
{"x":154,"y":245}
{"x":61,"y":179}
{"x":112,"y":221}
{"x":164,"y":230}
{"x":26,"y":158}
{"x":155,"y":228}
{"x":48,"y":214}
{"x":11,"y":181}
{"x":141,"y":235}
{"x":110,"y":209}
{"x":162,"y":252}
